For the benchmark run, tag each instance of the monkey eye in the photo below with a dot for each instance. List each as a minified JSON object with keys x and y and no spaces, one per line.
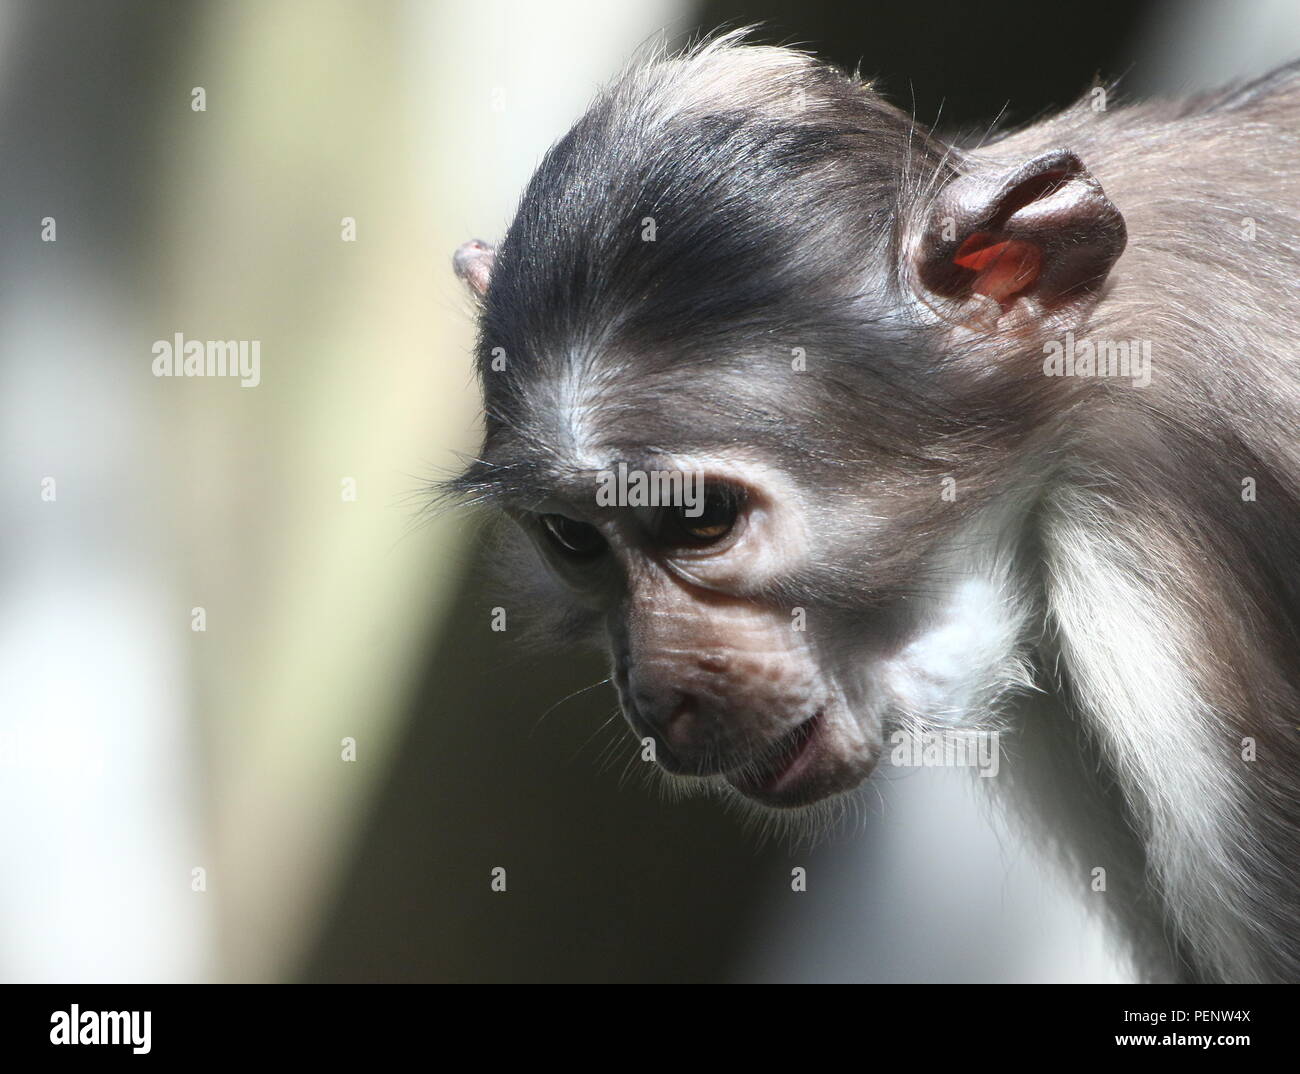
{"x":720,"y":510}
{"x":577,"y":540}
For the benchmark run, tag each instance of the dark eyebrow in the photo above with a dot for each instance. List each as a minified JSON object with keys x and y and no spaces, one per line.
{"x":520,"y":485}
{"x":489,"y":483}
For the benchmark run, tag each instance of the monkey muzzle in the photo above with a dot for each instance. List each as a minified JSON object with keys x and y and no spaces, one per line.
{"x":749,"y":742}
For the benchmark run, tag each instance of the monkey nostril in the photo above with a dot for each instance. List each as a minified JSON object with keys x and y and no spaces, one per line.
{"x":682,"y":716}
{"x":684,"y":725}
{"x":671,"y":718}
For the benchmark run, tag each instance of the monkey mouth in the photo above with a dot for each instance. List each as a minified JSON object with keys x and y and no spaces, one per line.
{"x":784,"y":773}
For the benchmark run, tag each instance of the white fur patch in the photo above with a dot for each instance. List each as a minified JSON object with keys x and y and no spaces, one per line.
{"x":1127,"y":654}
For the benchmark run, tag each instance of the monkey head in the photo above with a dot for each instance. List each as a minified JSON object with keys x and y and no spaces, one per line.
{"x":746,"y":283}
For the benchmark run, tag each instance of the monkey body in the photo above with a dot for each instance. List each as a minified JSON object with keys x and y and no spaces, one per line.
{"x":743,"y":265}
{"x":1171,"y":536}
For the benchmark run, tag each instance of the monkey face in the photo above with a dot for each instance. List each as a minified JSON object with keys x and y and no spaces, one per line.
{"x":719,"y":676}
{"x":745,"y":657}
{"x":773,"y":563}
{"x":753,"y":650}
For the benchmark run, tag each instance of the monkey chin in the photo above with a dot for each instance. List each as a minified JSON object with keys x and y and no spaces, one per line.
{"x":814,"y":762}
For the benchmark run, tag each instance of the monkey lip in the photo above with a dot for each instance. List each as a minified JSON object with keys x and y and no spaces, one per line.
{"x":777,"y":777}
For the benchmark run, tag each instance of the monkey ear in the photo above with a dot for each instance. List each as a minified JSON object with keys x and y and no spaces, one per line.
{"x":1043,"y":230}
{"x":473,"y":262}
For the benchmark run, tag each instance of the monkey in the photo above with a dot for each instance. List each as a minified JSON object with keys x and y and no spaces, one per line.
{"x":995,"y":435}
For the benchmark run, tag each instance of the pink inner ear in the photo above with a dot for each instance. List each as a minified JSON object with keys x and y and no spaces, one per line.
{"x":1004,"y":269}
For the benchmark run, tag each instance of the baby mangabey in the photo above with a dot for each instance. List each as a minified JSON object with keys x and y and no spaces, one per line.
{"x":969,"y":421}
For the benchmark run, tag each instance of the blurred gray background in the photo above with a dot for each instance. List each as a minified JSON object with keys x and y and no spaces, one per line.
{"x":178,"y":806}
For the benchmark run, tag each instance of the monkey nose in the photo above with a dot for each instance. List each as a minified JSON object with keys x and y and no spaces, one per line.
{"x":679,"y":723}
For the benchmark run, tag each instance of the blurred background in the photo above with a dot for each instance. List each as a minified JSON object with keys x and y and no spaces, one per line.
{"x":317,"y":784}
